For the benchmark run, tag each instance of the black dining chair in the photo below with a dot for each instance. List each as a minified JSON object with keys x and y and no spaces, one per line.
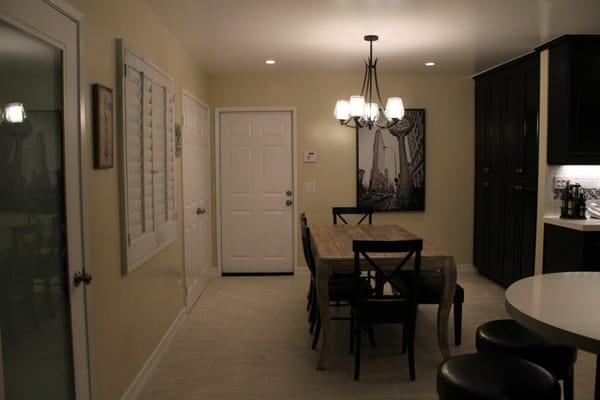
{"x":341,"y":286}
{"x":362,"y":212}
{"x":377,"y":307}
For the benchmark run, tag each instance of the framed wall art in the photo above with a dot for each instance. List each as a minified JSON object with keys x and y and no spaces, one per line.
{"x":391,"y":165}
{"x":102,"y":101}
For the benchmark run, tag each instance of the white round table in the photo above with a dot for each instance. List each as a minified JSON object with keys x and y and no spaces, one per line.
{"x":563,"y":307}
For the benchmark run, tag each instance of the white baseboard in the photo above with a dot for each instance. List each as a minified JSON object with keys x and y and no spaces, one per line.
{"x":135,"y":389}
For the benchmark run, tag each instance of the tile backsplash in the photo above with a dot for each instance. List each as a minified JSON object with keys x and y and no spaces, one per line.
{"x":588,"y":176}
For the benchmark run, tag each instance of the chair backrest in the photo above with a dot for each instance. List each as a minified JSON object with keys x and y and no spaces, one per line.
{"x":410,"y":248}
{"x":306,"y":246}
{"x":339,"y":212}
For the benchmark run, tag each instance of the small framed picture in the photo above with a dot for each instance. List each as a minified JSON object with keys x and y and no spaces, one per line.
{"x":103,"y":126}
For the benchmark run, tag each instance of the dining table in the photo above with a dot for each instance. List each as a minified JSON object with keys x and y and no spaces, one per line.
{"x":332,"y":248}
{"x":563,"y":307}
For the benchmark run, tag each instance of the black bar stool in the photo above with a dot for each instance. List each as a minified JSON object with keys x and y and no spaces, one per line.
{"x":494,"y":377}
{"x":507,"y":336}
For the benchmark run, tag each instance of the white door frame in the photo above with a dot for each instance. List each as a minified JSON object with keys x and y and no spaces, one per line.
{"x":81,"y":341}
{"x":222,"y":110}
{"x":187,"y":93}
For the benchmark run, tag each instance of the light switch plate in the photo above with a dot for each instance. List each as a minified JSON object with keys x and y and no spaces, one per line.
{"x":310,"y":187}
{"x":310,"y":156}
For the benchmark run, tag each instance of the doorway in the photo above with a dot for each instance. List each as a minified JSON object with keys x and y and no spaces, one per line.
{"x":43,"y":339}
{"x":256,"y":190}
{"x":197,"y":218}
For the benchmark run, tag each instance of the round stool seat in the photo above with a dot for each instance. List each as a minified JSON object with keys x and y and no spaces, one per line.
{"x":506,"y":336}
{"x":494,"y":377}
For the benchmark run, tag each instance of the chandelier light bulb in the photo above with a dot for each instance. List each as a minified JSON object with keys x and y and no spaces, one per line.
{"x":371,"y":112}
{"x":14,"y":113}
{"x":357,"y":106}
{"x":394,"y":108}
{"x":342,"y":110}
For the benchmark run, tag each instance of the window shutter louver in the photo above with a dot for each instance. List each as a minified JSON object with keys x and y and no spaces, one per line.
{"x":170,"y":156}
{"x":148,"y":158}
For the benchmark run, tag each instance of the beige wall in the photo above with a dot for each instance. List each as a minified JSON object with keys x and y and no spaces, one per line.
{"x":129,"y":314}
{"x":448,"y":218}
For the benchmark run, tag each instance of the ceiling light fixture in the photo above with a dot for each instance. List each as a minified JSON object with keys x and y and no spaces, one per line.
{"x":270,"y":62}
{"x":365,"y":110}
{"x":429,"y":64}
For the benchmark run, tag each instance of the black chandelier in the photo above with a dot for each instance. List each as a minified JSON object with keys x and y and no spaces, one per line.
{"x":361,"y":111}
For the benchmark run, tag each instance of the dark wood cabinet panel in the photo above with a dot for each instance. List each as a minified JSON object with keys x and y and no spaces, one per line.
{"x":573,"y":101}
{"x":567,"y":250}
{"x":481,"y":252}
{"x":506,"y":146}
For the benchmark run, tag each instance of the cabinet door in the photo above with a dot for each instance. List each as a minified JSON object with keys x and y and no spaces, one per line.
{"x":512,"y":232}
{"x":496,"y":241}
{"x":519,"y":231}
{"x":481,"y":246}
{"x":482,"y":162}
{"x":528,"y":226}
{"x":494,"y":121}
{"x":573,"y":101}
{"x":513,"y":120}
{"x":530,"y":141}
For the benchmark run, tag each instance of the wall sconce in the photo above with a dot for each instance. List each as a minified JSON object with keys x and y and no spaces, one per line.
{"x":13,"y":113}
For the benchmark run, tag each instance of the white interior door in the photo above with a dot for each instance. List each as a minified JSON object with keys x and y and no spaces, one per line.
{"x":196,"y":197}
{"x":44,"y":348}
{"x":256,"y":192}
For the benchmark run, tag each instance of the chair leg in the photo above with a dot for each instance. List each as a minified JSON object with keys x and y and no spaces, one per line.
{"x":357,"y":350}
{"x":317,"y":332}
{"x":310,"y":296}
{"x":314,"y":314}
{"x":404,"y":337}
{"x":411,"y":350}
{"x":371,"y":334}
{"x":352,"y":331}
{"x":569,"y":386}
{"x":458,"y":323}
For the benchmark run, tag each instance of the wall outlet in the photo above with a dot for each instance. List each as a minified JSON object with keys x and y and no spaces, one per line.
{"x":310,"y":187}
{"x":560,"y":182}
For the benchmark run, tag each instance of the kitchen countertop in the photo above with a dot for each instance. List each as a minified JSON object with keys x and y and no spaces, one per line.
{"x":585,"y":225}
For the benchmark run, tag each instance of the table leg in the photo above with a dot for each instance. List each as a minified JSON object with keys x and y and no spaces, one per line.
{"x":449,"y":272}
{"x":597,"y":384}
{"x":322,"y":286}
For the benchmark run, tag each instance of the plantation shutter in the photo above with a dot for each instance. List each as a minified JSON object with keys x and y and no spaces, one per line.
{"x":148,"y":158}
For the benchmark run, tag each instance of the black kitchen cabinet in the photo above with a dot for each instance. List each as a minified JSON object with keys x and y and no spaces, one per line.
{"x":573,"y":101}
{"x":506,"y":147}
{"x":567,"y":250}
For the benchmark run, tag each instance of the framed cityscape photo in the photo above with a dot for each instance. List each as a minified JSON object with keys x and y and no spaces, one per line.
{"x":103,"y":126}
{"x":391,"y":165}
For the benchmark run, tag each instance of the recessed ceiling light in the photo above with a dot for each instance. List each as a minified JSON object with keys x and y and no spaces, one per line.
{"x":429,"y":64}
{"x":270,"y":62}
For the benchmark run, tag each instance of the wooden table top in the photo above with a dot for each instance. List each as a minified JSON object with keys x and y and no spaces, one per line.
{"x":561,"y":306}
{"x":333,"y":244}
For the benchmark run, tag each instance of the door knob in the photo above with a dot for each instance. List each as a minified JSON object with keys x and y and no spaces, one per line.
{"x":200,"y":211}
{"x":82,"y":277}
{"x":288,"y":203}
{"x":288,"y":193}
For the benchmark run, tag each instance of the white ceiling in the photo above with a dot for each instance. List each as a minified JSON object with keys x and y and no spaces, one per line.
{"x":461,"y":36}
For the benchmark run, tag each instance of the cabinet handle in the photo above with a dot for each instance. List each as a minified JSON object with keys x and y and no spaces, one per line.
{"x":486,"y":170}
{"x":518,"y":187}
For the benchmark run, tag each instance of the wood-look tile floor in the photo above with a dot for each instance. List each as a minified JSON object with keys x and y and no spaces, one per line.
{"x":247,"y":338}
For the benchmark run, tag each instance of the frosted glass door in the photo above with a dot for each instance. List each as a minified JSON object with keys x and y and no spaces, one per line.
{"x":35,"y":323}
